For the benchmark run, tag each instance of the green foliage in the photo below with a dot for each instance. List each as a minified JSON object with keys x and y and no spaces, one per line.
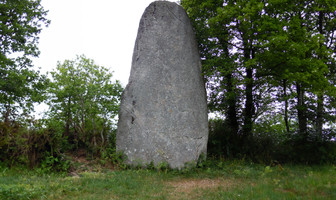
{"x":28,"y":144}
{"x":83,"y":104}
{"x":21,"y":24}
{"x":222,"y":142}
{"x":109,"y":154}
{"x":22,"y":139}
{"x":20,"y":86}
{"x":270,"y":143}
{"x":269,"y":59}
{"x":298,"y":149}
{"x":13,"y":143}
{"x":84,"y":100}
{"x":51,"y":163}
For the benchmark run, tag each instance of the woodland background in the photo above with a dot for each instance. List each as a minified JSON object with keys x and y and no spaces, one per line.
{"x":269,"y":68}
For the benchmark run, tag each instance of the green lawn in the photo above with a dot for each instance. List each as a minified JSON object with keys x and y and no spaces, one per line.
{"x":223,"y":180}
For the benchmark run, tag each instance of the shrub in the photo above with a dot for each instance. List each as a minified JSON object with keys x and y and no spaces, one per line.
{"x":22,"y":143}
{"x":221,"y":141}
{"x":270,"y":143}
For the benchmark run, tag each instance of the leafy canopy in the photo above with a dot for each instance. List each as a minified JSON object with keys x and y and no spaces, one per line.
{"x":21,"y":21}
{"x":84,"y":99}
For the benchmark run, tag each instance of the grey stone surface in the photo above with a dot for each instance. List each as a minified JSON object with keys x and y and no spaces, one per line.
{"x":163,"y":112}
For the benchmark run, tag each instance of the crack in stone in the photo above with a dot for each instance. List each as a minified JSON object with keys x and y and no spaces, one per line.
{"x":169,"y":10}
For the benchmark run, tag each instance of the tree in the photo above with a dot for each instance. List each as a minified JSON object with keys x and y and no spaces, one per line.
{"x":21,"y":22}
{"x":85,"y":99}
{"x":268,"y":58}
{"x":296,"y":55}
{"x":324,"y":15}
{"x":228,"y":33}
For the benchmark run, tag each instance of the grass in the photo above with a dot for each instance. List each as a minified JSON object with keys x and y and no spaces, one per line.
{"x":216,"y":180}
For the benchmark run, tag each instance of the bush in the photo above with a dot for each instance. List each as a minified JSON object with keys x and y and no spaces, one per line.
{"x":299,"y":149}
{"x":270,"y":143}
{"x":52,"y":163}
{"x":26,"y":144}
{"x":13,"y":146}
{"x":110,"y":155}
{"x":221,"y":141}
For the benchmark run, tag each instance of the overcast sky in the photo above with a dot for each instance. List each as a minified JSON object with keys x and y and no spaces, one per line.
{"x":103,"y":30}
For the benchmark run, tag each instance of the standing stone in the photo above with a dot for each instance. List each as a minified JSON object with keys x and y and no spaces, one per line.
{"x":163,"y":111}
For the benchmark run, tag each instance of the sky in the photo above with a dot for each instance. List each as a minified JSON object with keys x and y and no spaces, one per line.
{"x":103,"y":30}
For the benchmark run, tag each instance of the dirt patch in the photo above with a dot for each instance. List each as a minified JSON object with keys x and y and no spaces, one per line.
{"x":191,"y":187}
{"x":79,"y":156}
{"x":81,"y":163}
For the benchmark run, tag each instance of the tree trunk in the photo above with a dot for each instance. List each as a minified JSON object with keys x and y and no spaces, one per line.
{"x":248,"y":112}
{"x":68,"y":121}
{"x":232,"y":106}
{"x":102,"y":137}
{"x":301,"y":109}
{"x":6,"y":114}
{"x":94,"y":132}
{"x":320,"y":97}
{"x":231,"y":98}
{"x":319,"y":115}
{"x":286,"y":104}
